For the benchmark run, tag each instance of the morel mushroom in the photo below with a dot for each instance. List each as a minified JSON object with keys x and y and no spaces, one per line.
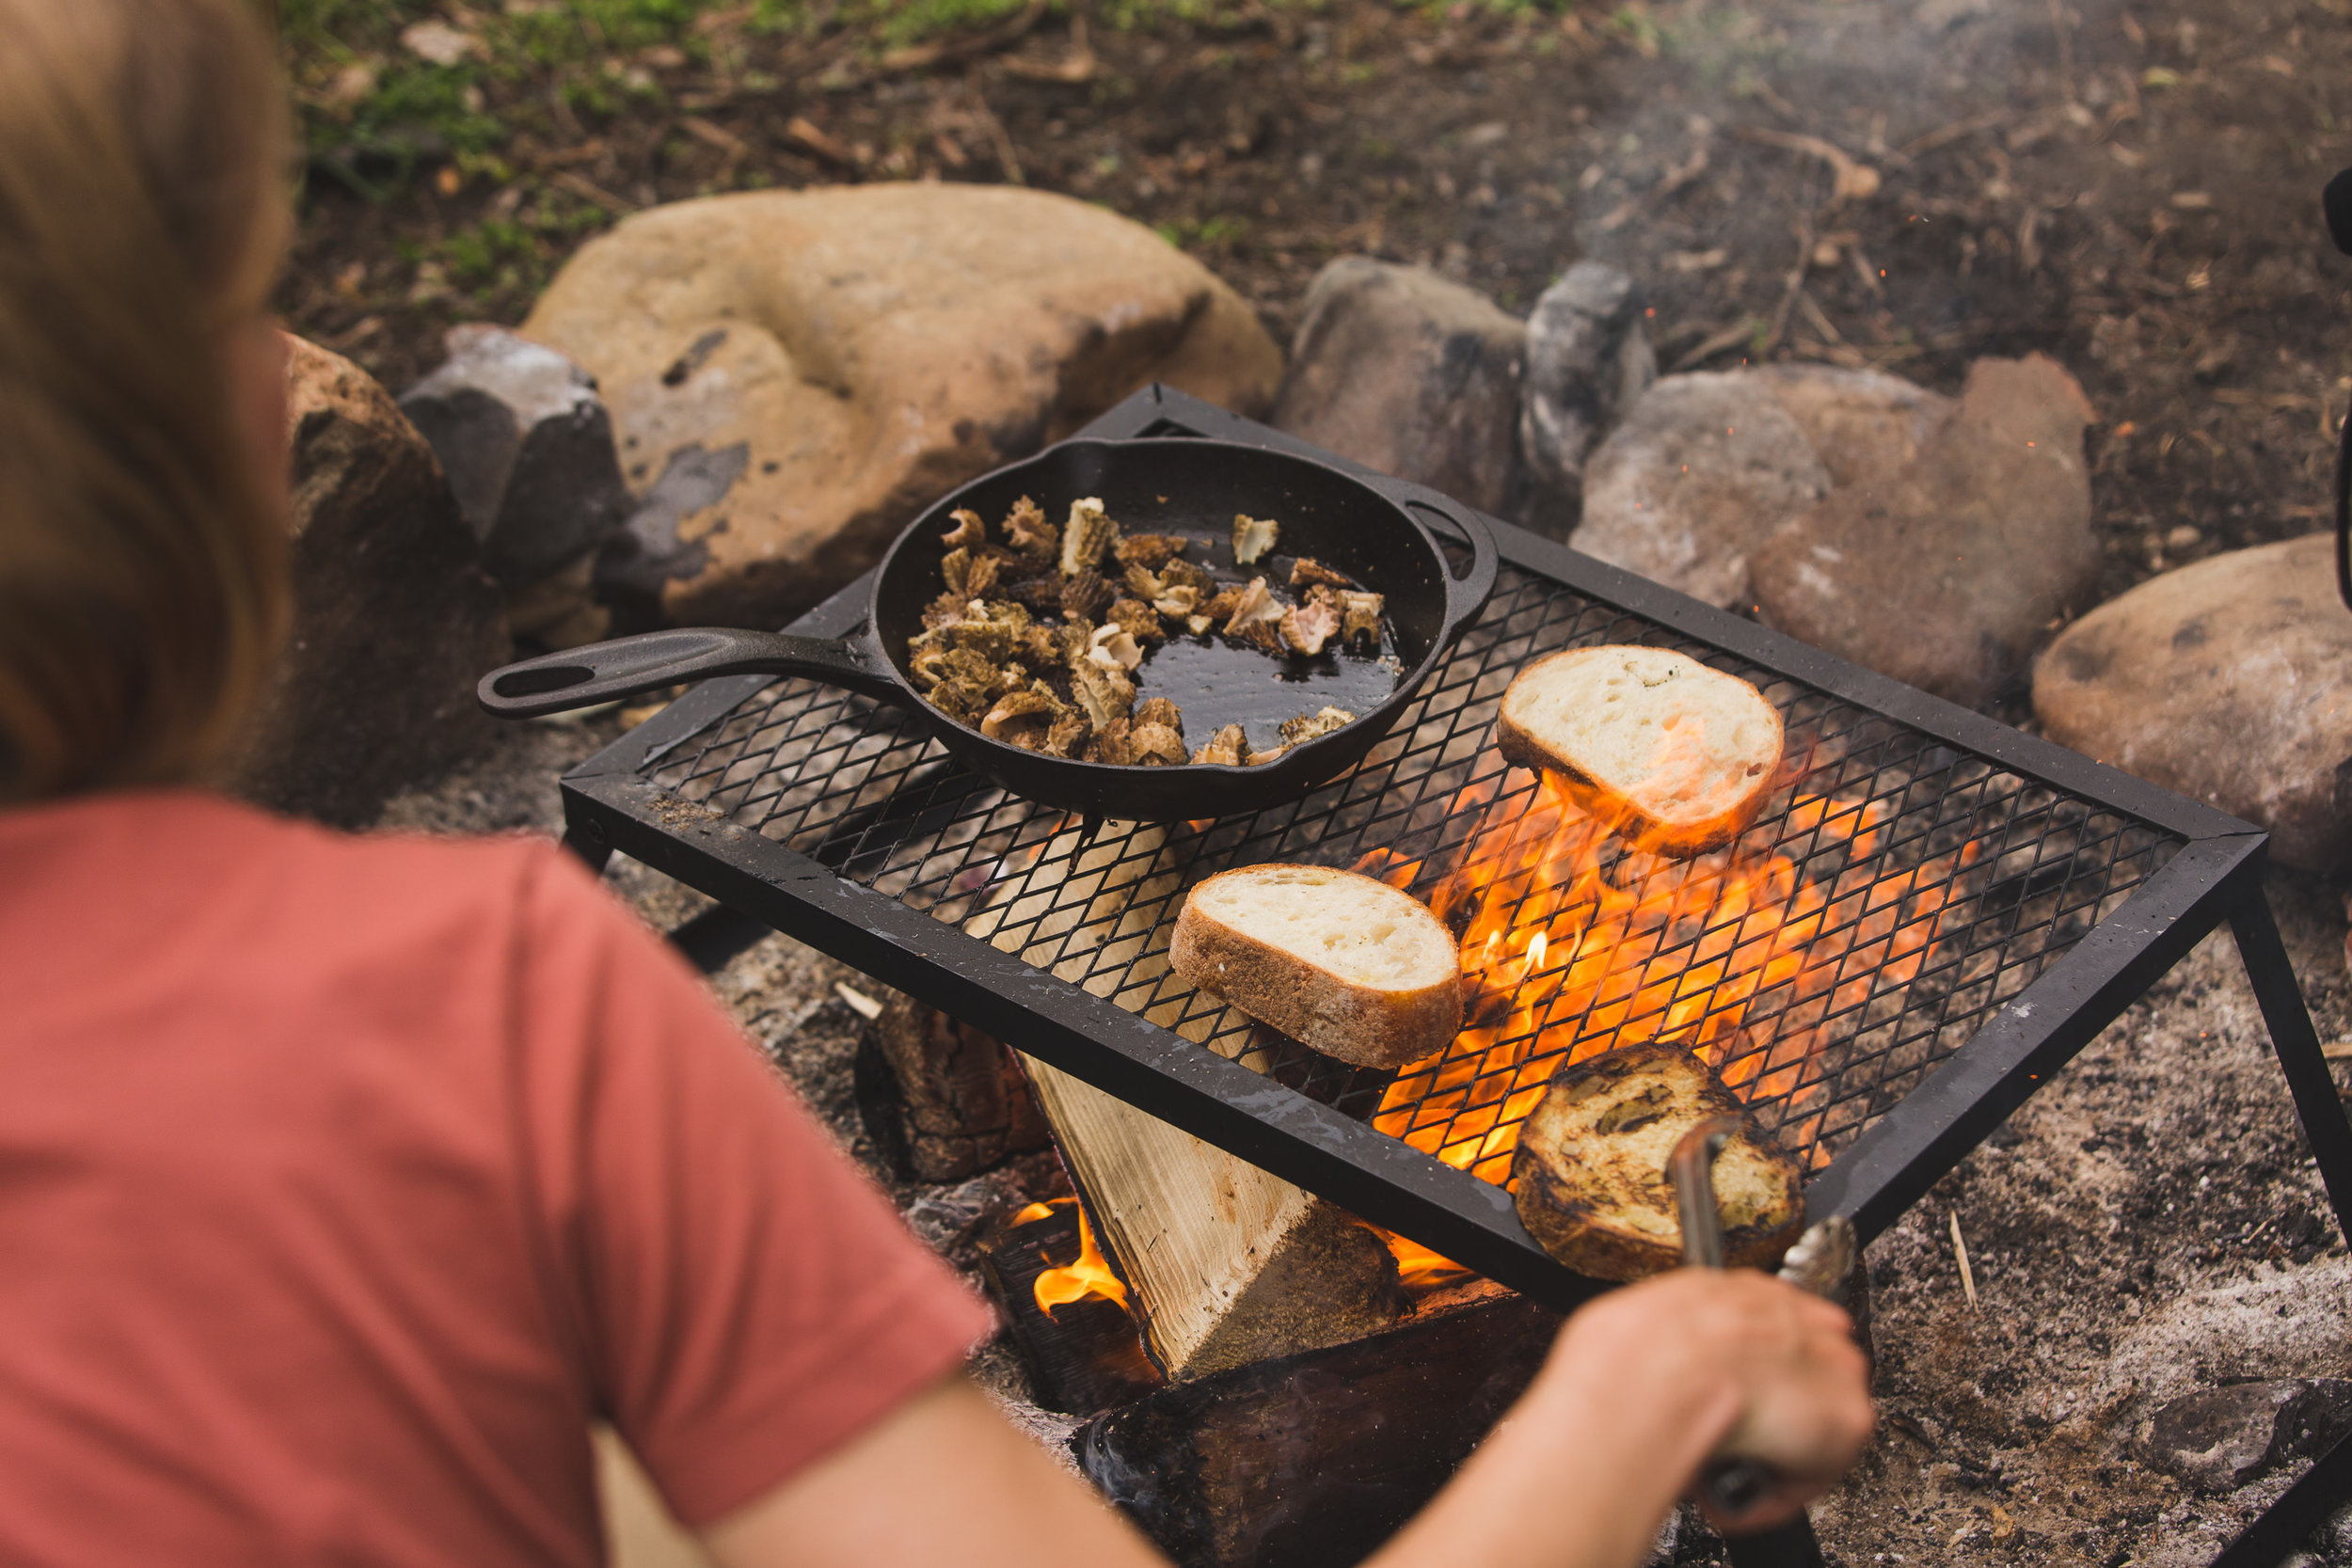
{"x":1359,"y":616}
{"x":1156,"y":746}
{"x":1113,"y":743}
{"x":1305,"y":727}
{"x":1086,"y":536}
{"x":1069,"y":732}
{"x":1159,"y":710}
{"x":1086,"y":595}
{"x":1023,"y":717}
{"x":1229,"y":747}
{"x":1149,"y":551}
{"x":1307,"y":627}
{"x":1306,"y":572}
{"x":1142,"y":620}
{"x":1252,"y":537}
{"x":1257,"y":618}
{"x":1106,"y":694}
{"x":969,"y":534}
{"x":1113,"y":648}
{"x":1028,"y":530}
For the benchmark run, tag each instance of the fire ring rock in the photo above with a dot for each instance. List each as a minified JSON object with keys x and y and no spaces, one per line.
{"x":394,"y":620}
{"x":2229,"y":681}
{"x":792,"y":375}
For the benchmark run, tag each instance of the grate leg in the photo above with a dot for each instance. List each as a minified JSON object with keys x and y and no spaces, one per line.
{"x":2283,"y":1528}
{"x":2290,"y":1521}
{"x":2316,"y":1103}
{"x":1792,"y":1546}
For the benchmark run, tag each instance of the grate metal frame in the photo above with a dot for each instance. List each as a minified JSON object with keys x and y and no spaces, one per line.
{"x":837,"y":824}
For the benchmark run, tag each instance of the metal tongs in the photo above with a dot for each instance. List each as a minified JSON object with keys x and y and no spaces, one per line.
{"x":1818,"y":1263}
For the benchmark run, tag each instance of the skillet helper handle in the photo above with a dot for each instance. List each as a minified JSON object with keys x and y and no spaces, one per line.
{"x":653,"y":661}
{"x":1444,"y":521}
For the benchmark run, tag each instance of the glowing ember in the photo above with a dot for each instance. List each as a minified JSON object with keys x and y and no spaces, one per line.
{"x":1573,"y":943}
{"x":1086,"y":1276}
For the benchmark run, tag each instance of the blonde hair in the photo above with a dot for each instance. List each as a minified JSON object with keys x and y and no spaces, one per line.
{"x":142,"y":216}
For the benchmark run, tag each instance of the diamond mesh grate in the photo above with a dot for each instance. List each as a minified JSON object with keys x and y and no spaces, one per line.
{"x":1892,"y":893}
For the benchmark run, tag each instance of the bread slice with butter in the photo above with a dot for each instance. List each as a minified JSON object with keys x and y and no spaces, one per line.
{"x":1676,"y":757}
{"x":1593,"y":1178}
{"x":1338,"y":961}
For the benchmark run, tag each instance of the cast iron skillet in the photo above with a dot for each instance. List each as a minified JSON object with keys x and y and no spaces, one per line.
{"x":1384,"y":533}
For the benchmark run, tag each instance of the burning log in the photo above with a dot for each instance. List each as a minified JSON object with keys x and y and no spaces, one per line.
{"x":1071,"y":1326}
{"x":1227,"y":1264}
{"x":956,"y":1104}
{"x":1317,"y":1459}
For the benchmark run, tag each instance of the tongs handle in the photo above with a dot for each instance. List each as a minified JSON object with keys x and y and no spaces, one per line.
{"x":1732,"y":1485}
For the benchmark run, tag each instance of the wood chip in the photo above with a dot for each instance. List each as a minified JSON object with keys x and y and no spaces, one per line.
{"x":588,"y":190}
{"x":808,"y":135}
{"x":1959,"y":1251}
{"x":2337,"y":1051}
{"x":860,"y":1004}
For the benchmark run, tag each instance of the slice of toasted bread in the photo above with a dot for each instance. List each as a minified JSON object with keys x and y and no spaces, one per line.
{"x":1338,"y":961}
{"x":1678,"y":756}
{"x":1592,"y":1171}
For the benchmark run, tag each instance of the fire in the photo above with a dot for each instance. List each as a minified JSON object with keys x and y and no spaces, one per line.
{"x":1086,"y":1276}
{"x":1574,"y":943}
{"x":1420,"y":1269}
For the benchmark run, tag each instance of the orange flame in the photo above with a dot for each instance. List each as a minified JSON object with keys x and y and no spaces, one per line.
{"x":1420,"y":1269}
{"x":1573,"y":942}
{"x":1086,"y":1276}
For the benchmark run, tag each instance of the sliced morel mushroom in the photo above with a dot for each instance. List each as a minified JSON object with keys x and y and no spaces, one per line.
{"x":1199,"y":624}
{"x":1359,"y":616}
{"x":1259,"y":759}
{"x":1157,"y":746}
{"x":1113,"y":743}
{"x":1142,"y":620}
{"x":1068,"y":733}
{"x":1257,"y":618}
{"x":1029,"y":711}
{"x":1306,"y":572}
{"x":1252,"y":537}
{"x":1181,"y":573}
{"x":945,"y":610}
{"x":1149,"y":551}
{"x":1105,"y":694}
{"x":956,"y":566}
{"x":1307,"y":627}
{"x":1221,"y":605}
{"x":994,"y":628}
{"x":1229,"y":747}
{"x":1143,"y":583}
{"x":1040,"y":595}
{"x":1177,"y":603}
{"x":1159,"y":710}
{"x":961,"y":699}
{"x":1028,"y":530}
{"x":1086,"y":595}
{"x":1307,"y":727}
{"x":969,"y":534}
{"x":1113,"y":648}
{"x":1086,"y":536}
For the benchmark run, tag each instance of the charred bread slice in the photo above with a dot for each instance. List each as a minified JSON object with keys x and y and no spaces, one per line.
{"x":1592,"y":1169}
{"x":1679,"y":756}
{"x":1338,"y":961}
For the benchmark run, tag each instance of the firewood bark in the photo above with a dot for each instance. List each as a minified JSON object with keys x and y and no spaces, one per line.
{"x":963,"y":1106}
{"x":1313,"y":1461}
{"x":1226,"y":1264}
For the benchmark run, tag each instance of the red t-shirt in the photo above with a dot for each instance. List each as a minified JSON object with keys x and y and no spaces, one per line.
{"x":343,"y":1180}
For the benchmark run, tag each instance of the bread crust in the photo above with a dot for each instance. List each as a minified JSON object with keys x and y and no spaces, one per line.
{"x":1601,"y":1217}
{"x":1597,"y":799}
{"x":1364,"y":1025}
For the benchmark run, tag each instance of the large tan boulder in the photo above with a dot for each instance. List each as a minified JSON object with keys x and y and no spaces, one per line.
{"x":2230,"y":681}
{"x":793,"y":376}
{"x":394,"y":619}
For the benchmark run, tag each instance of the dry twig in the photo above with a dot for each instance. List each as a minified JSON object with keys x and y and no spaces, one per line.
{"x":1959,"y":1251}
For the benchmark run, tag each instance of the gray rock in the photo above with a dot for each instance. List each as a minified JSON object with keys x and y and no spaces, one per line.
{"x":1413,"y":375}
{"x":1949,"y":573}
{"x":2334,"y":1537}
{"x":394,"y":620}
{"x":1865,"y":425}
{"x":1701,"y":473}
{"x":528,"y":448}
{"x":2226,"y":680}
{"x":2220,"y":1438}
{"x":1588,"y":361}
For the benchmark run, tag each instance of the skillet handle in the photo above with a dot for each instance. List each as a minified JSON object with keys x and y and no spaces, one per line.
{"x":1449,"y":523}
{"x":628,"y":666}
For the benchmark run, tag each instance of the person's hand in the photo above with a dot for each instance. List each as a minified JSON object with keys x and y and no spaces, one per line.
{"x":1757,"y":1370}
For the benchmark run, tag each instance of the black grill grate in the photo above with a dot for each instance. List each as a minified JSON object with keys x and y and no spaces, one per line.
{"x":1896,"y":891}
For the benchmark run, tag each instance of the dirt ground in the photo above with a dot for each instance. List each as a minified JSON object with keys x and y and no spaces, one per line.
{"x":2131,"y":188}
